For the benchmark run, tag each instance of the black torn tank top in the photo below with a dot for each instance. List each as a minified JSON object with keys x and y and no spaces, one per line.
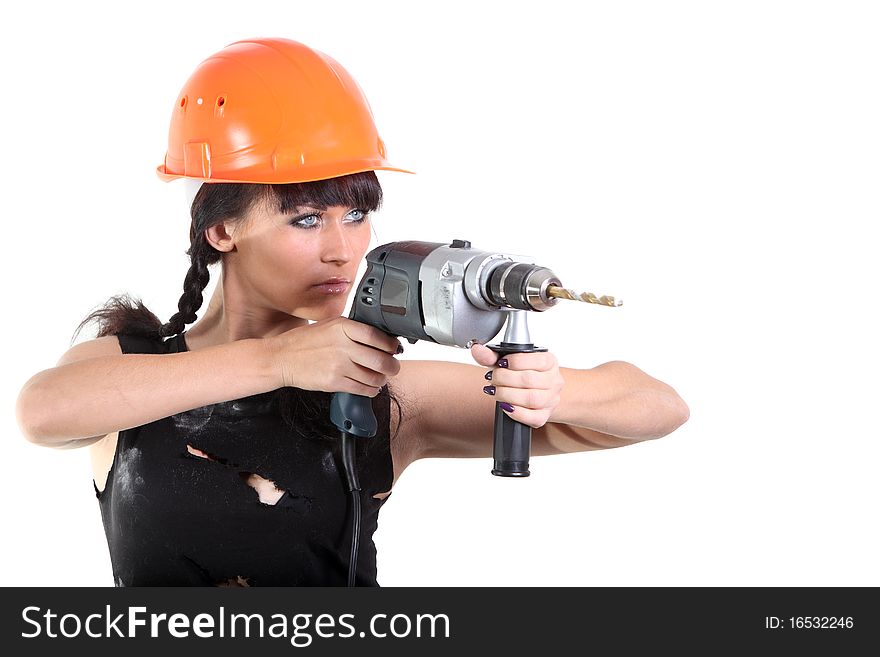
{"x":173,"y":518}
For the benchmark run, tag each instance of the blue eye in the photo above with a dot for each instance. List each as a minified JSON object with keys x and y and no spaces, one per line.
{"x":299,"y":222}
{"x":358,"y":216}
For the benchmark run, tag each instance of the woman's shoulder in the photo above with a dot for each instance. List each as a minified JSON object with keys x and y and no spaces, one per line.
{"x":107,"y":345}
{"x":123,"y":343}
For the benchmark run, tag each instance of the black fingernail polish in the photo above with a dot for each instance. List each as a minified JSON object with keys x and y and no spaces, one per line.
{"x":489,"y":390}
{"x":400,"y":348}
{"x":488,"y":375}
{"x":502,"y":363}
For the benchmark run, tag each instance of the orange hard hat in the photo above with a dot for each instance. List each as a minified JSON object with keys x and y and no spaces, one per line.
{"x":271,"y":111}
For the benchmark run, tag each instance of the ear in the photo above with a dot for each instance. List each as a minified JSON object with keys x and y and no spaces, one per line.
{"x":221,"y":236}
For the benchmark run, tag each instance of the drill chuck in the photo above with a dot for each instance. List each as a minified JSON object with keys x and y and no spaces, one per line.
{"x":521,"y":286}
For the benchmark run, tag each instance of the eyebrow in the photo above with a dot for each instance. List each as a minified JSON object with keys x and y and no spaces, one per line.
{"x":307,"y":206}
{"x":285,"y":207}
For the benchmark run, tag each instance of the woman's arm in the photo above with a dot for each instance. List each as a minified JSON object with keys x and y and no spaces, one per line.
{"x":88,"y":395}
{"x":610,"y":405}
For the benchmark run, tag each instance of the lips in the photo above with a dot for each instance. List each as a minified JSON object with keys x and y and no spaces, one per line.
{"x":334,"y":281}
{"x":333,"y":286}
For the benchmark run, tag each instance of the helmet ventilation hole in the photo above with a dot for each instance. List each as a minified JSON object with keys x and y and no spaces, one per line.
{"x":221,"y":101}
{"x":183,"y":102}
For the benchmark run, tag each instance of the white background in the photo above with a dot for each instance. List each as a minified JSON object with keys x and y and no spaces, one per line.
{"x":713,"y":164}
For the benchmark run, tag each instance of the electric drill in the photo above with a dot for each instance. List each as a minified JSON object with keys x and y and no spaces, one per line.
{"x":452,"y":295}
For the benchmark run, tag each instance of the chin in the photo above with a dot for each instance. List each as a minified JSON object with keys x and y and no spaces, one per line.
{"x":327,"y":312}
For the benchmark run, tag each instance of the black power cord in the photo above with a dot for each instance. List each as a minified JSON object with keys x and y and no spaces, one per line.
{"x":348,"y":463}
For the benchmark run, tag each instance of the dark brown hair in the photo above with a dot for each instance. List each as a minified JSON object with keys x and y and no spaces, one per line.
{"x":217,"y":202}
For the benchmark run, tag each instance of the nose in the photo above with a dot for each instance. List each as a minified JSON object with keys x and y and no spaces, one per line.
{"x":336,"y":245}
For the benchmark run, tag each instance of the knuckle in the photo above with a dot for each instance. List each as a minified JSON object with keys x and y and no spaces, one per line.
{"x":545,"y":399}
{"x":533,"y":398}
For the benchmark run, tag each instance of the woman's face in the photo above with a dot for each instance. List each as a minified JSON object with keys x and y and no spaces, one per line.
{"x":279,"y":258}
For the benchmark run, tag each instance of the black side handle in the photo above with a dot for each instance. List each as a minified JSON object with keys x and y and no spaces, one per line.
{"x":513,"y":440}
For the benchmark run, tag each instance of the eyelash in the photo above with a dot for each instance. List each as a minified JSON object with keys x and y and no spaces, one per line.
{"x":295,"y":221}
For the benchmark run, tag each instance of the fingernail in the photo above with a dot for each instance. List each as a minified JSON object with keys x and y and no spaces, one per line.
{"x":507,"y":407}
{"x":400,"y":348}
{"x":488,"y":375}
{"x":502,"y":363}
{"x":489,"y":390}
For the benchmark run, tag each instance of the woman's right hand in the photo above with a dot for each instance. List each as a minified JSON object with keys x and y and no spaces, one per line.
{"x":336,"y":355}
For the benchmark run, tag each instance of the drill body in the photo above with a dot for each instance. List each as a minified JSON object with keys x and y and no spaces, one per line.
{"x":452,"y":295}
{"x":449,"y":294}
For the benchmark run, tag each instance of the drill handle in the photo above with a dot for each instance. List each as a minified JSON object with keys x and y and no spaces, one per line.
{"x":513,"y":440}
{"x":512,"y":446}
{"x":353,"y":414}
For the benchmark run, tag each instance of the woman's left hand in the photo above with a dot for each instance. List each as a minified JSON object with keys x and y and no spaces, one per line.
{"x":531,"y":383}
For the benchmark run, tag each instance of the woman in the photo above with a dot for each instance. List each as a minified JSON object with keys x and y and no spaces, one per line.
{"x":215,"y":462}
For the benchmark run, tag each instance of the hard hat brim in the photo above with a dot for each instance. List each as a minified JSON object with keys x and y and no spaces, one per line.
{"x":300,"y":175}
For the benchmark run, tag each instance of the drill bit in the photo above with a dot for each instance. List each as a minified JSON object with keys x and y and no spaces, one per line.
{"x":586,"y":297}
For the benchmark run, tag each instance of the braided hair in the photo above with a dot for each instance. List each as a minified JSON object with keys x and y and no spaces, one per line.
{"x":213,"y":204}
